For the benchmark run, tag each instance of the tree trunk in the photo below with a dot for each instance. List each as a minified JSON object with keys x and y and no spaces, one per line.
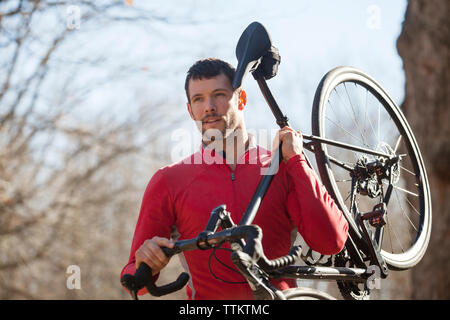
{"x":424,"y":46}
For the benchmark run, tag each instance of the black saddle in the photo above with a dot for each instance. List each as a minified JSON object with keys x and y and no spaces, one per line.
{"x":255,"y":53}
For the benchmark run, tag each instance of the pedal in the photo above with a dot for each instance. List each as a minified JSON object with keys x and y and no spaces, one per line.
{"x":376,"y":218}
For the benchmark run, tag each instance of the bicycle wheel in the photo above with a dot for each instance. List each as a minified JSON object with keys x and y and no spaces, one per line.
{"x":351,"y":107}
{"x":303,"y":293}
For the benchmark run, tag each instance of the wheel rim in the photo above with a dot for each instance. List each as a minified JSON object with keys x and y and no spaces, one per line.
{"x":354,"y":109}
{"x":304,"y":293}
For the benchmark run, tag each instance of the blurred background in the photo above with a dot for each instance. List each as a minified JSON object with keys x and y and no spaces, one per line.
{"x":91,"y":93}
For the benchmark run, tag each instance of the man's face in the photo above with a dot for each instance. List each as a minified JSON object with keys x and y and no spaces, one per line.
{"x":215,"y":105}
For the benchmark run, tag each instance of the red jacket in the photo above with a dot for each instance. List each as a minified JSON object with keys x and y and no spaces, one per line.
{"x":184,"y":194}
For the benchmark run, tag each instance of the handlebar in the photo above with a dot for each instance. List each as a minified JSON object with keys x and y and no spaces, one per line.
{"x":144,"y":278}
{"x":251,"y":254}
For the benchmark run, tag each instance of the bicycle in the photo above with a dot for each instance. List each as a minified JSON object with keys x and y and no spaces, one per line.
{"x":363,"y":168}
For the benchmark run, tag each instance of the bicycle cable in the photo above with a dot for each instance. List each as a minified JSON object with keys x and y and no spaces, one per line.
{"x":213,"y":254}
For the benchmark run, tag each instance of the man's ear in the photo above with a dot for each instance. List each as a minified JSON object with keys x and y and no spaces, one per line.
{"x":188,"y":105}
{"x":242,"y":100}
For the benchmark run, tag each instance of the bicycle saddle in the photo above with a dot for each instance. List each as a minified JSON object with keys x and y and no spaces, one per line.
{"x":253,"y":44}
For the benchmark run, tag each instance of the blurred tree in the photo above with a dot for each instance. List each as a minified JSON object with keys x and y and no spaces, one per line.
{"x":70,"y":186}
{"x":424,"y":45}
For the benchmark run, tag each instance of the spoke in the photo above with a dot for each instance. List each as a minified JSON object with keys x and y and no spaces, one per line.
{"x":371,"y":125}
{"x":365,"y":108}
{"x":346,"y":131}
{"x":403,"y":211}
{"x":346,"y":110}
{"x":339,"y":124}
{"x":348,"y":196}
{"x":365,"y":111}
{"x":407,"y":170}
{"x":414,"y":208}
{"x":404,"y":190}
{"x":401,"y":189}
{"x":334,"y":113}
{"x":397,"y":143}
{"x":396,"y":236}
{"x":387,"y":130}
{"x":354,"y":114}
{"x":390,"y":231}
{"x":379,"y":122}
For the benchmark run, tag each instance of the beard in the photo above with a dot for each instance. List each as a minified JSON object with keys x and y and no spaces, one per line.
{"x":225,"y":128}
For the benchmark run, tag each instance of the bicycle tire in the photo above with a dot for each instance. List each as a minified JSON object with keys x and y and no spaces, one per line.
{"x":304,"y":293}
{"x":343,"y":75}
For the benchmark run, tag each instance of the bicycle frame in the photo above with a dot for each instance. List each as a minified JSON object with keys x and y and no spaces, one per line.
{"x":219,"y":218}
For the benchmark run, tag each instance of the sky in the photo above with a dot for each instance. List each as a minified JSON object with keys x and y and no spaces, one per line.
{"x":146,"y":62}
{"x":312,"y":37}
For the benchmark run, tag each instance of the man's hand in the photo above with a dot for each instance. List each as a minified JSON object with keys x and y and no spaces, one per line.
{"x":292,"y":142}
{"x":150,"y":252}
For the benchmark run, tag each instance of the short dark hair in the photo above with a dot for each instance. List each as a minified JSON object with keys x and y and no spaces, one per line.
{"x":208,"y":68}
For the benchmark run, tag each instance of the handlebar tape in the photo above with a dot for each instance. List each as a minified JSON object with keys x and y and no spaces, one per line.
{"x":156,"y":291}
{"x":253,"y":251}
{"x":271,"y":265}
{"x":144,"y":278}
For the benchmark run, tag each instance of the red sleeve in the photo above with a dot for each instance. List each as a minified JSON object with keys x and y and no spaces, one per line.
{"x":156,"y":218}
{"x":317,"y":217}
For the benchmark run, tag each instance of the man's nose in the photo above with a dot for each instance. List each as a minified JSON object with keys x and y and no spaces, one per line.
{"x":210,"y":105}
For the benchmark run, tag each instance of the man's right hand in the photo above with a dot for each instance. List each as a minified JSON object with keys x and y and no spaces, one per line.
{"x":150,"y":252}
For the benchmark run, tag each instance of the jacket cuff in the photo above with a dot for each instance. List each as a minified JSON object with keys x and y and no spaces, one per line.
{"x":294,"y":160}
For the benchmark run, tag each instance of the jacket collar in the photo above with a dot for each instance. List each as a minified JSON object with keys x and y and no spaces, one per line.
{"x":210,"y":154}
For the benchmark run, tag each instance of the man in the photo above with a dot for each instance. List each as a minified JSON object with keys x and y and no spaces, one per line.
{"x":183,"y":195}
